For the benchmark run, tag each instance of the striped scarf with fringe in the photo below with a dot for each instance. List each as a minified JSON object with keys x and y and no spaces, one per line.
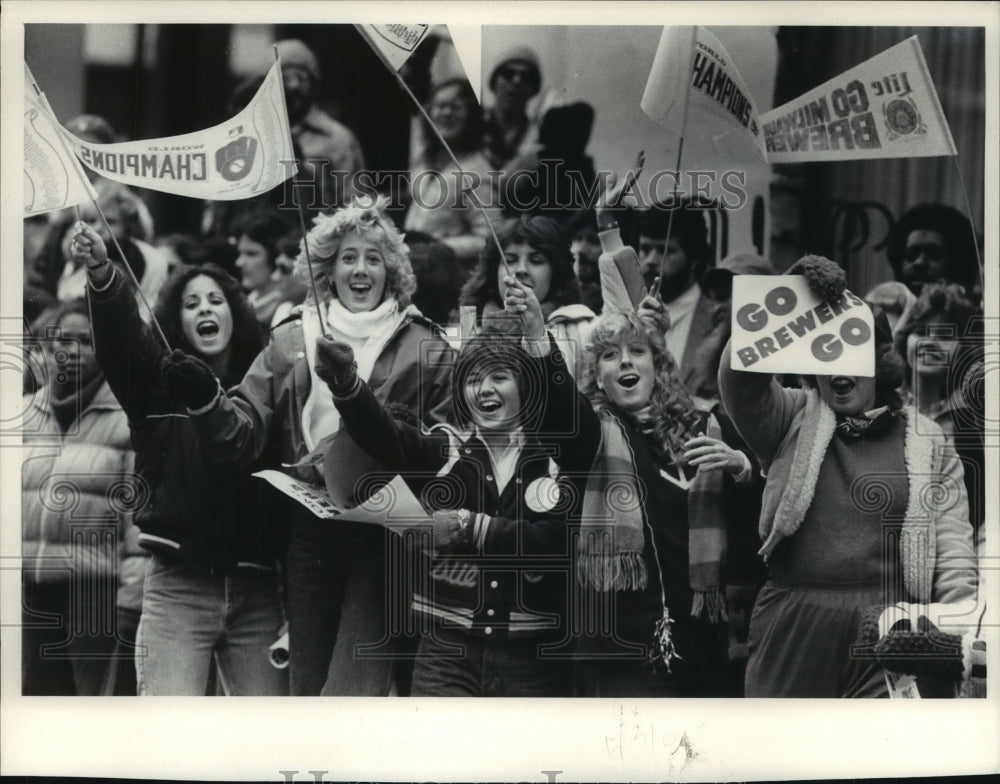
{"x":609,"y":556}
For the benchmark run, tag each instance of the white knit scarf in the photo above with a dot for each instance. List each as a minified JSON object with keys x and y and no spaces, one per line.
{"x":367,"y":333}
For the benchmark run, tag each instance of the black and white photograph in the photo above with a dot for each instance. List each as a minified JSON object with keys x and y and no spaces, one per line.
{"x":637,"y":361}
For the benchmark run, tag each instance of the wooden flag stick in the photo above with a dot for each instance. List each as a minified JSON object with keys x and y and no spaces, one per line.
{"x":475,"y":200}
{"x":302,"y":216}
{"x":972,"y":225}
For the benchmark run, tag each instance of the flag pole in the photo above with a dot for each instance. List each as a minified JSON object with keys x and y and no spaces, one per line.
{"x":670,"y":218}
{"x":972,"y":226}
{"x":655,"y":288}
{"x":302,"y":217}
{"x":104,"y":219}
{"x":406,"y":88}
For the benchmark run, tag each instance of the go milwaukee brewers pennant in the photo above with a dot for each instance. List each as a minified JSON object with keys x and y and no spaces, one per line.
{"x":238,"y":159}
{"x":884,"y":108}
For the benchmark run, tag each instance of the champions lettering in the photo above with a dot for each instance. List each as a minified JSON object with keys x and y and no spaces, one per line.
{"x":714,"y":82}
{"x":156,"y":165}
{"x":813,"y":127}
{"x":781,"y":301}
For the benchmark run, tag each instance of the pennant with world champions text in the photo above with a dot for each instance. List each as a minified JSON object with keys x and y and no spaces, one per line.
{"x":53,"y":179}
{"x":394,"y":43}
{"x":884,"y":108}
{"x":693,"y":73}
{"x":238,"y":159}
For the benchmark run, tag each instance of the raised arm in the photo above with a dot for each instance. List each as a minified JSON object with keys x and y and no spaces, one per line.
{"x":759,"y":407}
{"x":565,"y":418}
{"x":127,"y":350}
{"x":396,"y":445}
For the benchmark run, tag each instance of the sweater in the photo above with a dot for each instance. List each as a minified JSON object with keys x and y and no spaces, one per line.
{"x":936,"y":519}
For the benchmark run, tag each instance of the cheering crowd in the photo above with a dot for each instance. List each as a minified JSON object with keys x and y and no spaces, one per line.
{"x":611,"y":509}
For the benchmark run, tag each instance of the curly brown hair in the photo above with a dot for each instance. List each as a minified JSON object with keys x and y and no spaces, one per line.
{"x":674,"y":416}
{"x":248,"y":338}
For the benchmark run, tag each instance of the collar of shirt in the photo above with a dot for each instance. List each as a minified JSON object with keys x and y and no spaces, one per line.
{"x":504,"y":460}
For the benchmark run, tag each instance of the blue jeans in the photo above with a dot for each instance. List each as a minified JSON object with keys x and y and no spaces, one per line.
{"x":192,"y":619}
{"x":455,"y":663}
{"x":348,"y":611}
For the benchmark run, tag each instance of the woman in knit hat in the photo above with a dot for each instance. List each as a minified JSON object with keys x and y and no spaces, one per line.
{"x":653,"y":525}
{"x":508,"y":130}
{"x":863,"y":498}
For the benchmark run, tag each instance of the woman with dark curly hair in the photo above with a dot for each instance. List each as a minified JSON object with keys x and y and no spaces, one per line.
{"x":864,"y":507}
{"x":538,"y":255}
{"x":210,"y":598}
{"x":339,"y":591}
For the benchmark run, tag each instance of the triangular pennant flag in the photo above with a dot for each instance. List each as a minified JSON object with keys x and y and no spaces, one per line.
{"x":692,"y":74}
{"x":665,"y":98}
{"x":468,"y":41}
{"x":238,"y":159}
{"x":394,"y":43}
{"x":886,"y":107}
{"x":53,"y":179}
{"x":31,"y":88}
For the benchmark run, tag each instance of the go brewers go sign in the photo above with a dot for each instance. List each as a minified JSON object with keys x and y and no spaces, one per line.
{"x":779,"y":326}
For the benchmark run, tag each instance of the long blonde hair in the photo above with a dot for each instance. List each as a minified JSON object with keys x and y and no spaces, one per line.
{"x":674,"y":416}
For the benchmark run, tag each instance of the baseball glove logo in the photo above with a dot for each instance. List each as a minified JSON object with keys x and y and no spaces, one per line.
{"x":235,"y":160}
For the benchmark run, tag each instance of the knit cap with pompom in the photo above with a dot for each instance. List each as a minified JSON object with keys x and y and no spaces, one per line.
{"x":826,"y":278}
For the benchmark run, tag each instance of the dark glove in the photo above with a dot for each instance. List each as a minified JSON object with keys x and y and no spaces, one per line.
{"x":826,"y":278}
{"x":188,"y":379}
{"x":925,"y":650}
{"x":335,"y":365}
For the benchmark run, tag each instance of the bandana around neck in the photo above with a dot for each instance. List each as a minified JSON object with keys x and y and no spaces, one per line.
{"x":855,"y":426}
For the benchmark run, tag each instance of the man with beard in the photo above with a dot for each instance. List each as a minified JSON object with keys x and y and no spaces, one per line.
{"x":328,"y":152}
{"x":680,"y":266}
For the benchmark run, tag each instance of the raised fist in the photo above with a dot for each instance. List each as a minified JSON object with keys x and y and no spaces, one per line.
{"x":335,"y":365}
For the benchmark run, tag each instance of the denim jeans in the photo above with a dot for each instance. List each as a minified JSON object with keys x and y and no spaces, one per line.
{"x":347,"y":611}
{"x":454,"y":663}
{"x":192,"y":618}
